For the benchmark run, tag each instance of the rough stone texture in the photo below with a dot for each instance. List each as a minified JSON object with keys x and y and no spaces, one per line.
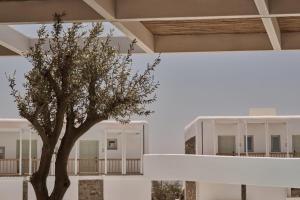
{"x":190,"y":146}
{"x":25,"y":190}
{"x":90,"y":190}
{"x":190,"y":190}
{"x":295,"y":192}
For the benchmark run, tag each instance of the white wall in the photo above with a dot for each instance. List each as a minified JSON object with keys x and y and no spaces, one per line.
{"x":127,"y":189}
{"x":11,"y":188}
{"x":270,"y":172}
{"x":211,"y":191}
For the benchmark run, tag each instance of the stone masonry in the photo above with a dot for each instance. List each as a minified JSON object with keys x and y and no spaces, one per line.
{"x":90,"y":190}
{"x":190,"y":187}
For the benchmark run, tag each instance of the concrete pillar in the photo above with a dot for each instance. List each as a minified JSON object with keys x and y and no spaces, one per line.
{"x":105,"y":152}
{"x":76,"y":159}
{"x":243,"y":192}
{"x":30,"y":152}
{"x":20,"y":151}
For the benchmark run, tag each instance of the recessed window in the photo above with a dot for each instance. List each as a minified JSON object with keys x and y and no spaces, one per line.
{"x":2,"y":152}
{"x":112,"y":144}
{"x":275,"y":143}
{"x":250,"y":143}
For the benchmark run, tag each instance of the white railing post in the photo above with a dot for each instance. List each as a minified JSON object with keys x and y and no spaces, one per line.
{"x":246,"y":137}
{"x":142,"y":149}
{"x":20,"y":151}
{"x":239,"y":137}
{"x":287,"y":139}
{"x":30,"y":152}
{"x":124,"y":138}
{"x":215,"y":137}
{"x":267,"y":137}
{"x":76,"y":159}
{"x":105,"y":152}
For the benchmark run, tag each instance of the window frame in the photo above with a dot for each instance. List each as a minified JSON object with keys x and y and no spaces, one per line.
{"x":272,"y":147}
{"x":247,"y":146}
{"x":115,"y":147}
{"x":2,"y":147}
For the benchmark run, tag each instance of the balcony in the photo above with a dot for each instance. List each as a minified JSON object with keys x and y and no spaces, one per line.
{"x":263,"y":154}
{"x":89,"y":167}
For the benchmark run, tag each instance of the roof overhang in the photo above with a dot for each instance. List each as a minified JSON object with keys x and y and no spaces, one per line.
{"x":176,"y":25}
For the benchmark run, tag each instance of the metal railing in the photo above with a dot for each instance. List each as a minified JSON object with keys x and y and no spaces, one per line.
{"x":261,"y":154}
{"x":11,"y":167}
{"x":133,"y":166}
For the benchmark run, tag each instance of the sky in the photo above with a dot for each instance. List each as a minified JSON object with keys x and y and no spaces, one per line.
{"x":194,"y":84}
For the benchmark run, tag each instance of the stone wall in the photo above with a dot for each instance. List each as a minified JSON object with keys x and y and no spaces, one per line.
{"x":190,"y":187}
{"x":190,"y":190}
{"x":90,"y":190}
{"x":25,"y":190}
{"x":295,"y":192}
{"x":190,"y":146}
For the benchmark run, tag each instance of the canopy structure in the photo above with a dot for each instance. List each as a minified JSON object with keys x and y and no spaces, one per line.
{"x":167,"y":25}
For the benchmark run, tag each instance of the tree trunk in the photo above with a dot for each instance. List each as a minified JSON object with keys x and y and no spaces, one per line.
{"x":39,"y":178}
{"x":62,"y":181}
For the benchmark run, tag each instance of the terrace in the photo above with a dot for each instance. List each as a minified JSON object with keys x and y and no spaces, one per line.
{"x":103,"y":150}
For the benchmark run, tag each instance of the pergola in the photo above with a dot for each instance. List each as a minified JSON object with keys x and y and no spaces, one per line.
{"x":167,"y":25}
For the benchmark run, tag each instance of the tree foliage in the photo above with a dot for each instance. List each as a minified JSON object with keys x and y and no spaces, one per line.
{"x":163,"y":190}
{"x":77,"y":80}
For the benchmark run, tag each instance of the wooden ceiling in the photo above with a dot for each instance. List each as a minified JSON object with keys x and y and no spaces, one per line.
{"x":289,"y":24}
{"x":210,"y":26}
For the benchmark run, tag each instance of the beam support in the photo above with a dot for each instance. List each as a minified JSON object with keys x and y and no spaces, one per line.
{"x":134,"y":30}
{"x":13,"y":40}
{"x":270,"y":23}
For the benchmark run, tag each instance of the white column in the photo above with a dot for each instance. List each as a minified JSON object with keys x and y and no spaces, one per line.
{"x":20,"y":152}
{"x":197,"y":138}
{"x":267,"y":137}
{"x":215,"y":138}
{"x":239,"y":138}
{"x":105,"y":152}
{"x":142,"y":152}
{"x":30,"y":152}
{"x":124,"y":152}
{"x":246,"y":137}
{"x":76,"y":159}
{"x":287,"y":139}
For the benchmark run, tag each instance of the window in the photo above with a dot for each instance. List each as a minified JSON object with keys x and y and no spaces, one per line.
{"x":112,"y":144}
{"x":250,"y":143}
{"x":275,"y":143}
{"x":2,"y":152}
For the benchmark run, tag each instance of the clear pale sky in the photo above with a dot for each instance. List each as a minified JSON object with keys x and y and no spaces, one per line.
{"x":194,"y":84}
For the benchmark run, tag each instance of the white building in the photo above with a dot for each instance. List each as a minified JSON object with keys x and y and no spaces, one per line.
{"x":244,"y":157}
{"x":101,"y":165}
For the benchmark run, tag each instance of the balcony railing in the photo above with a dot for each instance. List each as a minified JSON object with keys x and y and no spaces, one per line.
{"x":11,"y":167}
{"x":260,"y":154}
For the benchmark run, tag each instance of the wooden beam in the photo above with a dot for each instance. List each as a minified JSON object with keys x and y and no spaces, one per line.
{"x":134,"y":30}
{"x":36,"y":11}
{"x":122,"y":43}
{"x":13,"y":40}
{"x":271,"y":24}
{"x":144,"y":10}
{"x":213,"y":42}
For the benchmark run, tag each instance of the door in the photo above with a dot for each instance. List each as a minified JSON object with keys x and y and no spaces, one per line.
{"x":25,"y":154}
{"x":275,"y":143}
{"x":89,"y":156}
{"x":296,"y":145}
{"x":226,"y":145}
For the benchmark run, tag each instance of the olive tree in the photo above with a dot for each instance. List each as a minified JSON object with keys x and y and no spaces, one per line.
{"x":77,"y":79}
